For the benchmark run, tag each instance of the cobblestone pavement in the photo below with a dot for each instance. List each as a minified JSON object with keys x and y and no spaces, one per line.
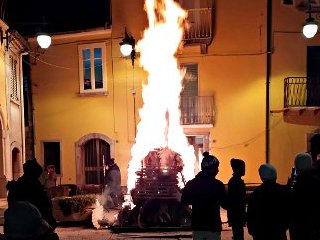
{"x":90,"y":233}
{"x":82,"y":233}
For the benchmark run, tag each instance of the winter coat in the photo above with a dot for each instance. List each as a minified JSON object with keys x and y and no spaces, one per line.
{"x":268,"y":211}
{"x":113,"y":179}
{"x":236,"y":200}
{"x":206,"y":195}
{"x":29,"y":189}
{"x":305,"y":201}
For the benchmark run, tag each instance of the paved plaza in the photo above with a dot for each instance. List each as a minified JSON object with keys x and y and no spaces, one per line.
{"x":83,"y":233}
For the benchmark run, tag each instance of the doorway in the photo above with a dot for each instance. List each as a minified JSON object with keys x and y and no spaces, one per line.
{"x":313,"y":74}
{"x":315,"y":146}
{"x":16,"y":164}
{"x":92,"y":151}
{"x":200,"y":144}
{"x":96,"y":153}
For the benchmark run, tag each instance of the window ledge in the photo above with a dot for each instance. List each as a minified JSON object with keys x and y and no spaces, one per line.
{"x":93,"y":94}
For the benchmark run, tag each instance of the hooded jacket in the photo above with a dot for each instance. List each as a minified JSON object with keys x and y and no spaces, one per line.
{"x":206,"y":194}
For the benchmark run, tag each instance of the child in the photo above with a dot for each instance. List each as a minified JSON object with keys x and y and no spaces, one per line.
{"x":237,"y":199}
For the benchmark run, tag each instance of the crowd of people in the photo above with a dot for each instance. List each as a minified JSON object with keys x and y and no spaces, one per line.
{"x":29,"y":215}
{"x":269,"y":212}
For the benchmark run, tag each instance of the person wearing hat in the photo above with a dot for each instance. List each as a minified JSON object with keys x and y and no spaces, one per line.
{"x":28,"y":188}
{"x":237,"y":199}
{"x":206,"y":195}
{"x":305,"y":224}
{"x":113,"y":182}
{"x":268,"y":207}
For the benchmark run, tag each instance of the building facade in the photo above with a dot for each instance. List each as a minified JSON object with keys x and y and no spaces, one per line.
{"x":237,"y":55}
{"x":12,"y":146}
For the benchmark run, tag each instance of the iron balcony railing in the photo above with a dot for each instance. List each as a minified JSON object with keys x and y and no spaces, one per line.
{"x":198,"y":26}
{"x":197,"y":110}
{"x":301,"y":92}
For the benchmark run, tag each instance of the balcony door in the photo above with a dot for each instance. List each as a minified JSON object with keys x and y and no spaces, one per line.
{"x":313,"y":74}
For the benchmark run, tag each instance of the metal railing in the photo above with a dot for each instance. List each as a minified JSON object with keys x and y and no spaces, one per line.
{"x":301,"y":92}
{"x":197,"y":110}
{"x":199,"y":26}
{"x":295,"y":91}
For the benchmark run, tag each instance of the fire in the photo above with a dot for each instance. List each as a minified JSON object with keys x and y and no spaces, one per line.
{"x":160,"y":115}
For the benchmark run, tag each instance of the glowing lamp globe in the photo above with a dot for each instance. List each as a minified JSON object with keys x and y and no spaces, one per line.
{"x":44,"y":40}
{"x":126,"y":49}
{"x":310,"y":28}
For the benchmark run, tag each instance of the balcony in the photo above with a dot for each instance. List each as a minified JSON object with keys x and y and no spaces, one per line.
{"x":295,"y":92}
{"x":197,"y":110}
{"x":301,"y":94}
{"x":199,"y":28}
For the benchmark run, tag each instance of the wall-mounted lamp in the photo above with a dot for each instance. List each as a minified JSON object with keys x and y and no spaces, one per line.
{"x":44,"y":40}
{"x":5,"y":38}
{"x":310,"y":28}
{"x":127,"y":46}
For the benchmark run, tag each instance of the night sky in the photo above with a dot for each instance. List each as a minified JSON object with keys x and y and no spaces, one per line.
{"x":28,"y":16}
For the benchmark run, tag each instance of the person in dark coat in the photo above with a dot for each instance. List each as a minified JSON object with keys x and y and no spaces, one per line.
{"x":206,"y":194}
{"x":113,"y":181}
{"x":28,"y":188}
{"x":268,"y":207}
{"x":23,"y":221}
{"x":237,"y":199}
{"x":305,"y":199}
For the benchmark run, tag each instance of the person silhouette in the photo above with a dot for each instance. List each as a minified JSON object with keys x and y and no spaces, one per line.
{"x":28,"y":188}
{"x":113,"y":182}
{"x":305,"y":199}
{"x":237,"y":199}
{"x":268,"y":210}
{"x":206,"y":194}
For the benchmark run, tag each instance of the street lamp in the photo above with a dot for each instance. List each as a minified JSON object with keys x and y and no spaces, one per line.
{"x":44,"y":40}
{"x":310,"y":28}
{"x":127,"y":46}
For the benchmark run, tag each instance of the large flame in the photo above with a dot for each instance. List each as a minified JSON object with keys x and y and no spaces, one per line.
{"x":160,"y":114}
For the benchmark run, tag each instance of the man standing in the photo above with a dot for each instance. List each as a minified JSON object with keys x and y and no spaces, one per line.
{"x":268,"y":207}
{"x":113,"y":181}
{"x":206,"y":194}
{"x":305,"y":224}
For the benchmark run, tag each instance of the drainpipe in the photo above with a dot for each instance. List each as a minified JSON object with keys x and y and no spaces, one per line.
{"x":22,"y":107}
{"x":268,"y":76}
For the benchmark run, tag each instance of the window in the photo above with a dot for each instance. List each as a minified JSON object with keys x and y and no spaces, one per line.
{"x":190,"y":80}
{"x":13,"y":78}
{"x":92,"y":68}
{"x":51,"y":155}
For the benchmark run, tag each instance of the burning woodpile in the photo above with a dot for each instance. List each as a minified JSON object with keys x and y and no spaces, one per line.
{"x":158,"y":176}
{"x":156,"y":195}
{"x":161,"y":157}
